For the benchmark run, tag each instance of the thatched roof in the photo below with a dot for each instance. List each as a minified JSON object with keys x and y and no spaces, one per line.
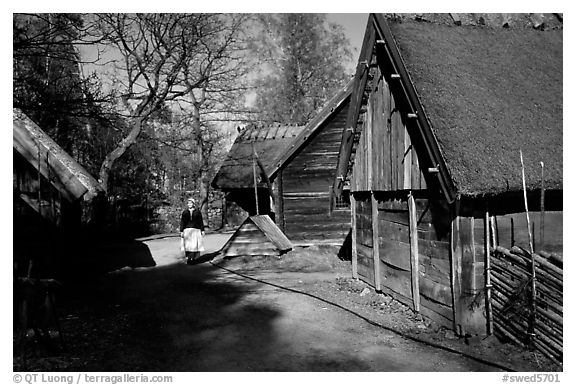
{"x":65,"y":173}
{"x":270,"y":142}
{"x":489,"y":93}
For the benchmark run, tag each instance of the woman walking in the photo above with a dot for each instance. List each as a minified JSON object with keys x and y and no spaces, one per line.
{"x":192,"y":231}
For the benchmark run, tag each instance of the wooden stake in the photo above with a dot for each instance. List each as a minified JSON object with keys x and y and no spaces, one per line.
{"x":542,"y":190}
{"x":488,"y":272}
{"x":354,"y":239}
{"x":533,"y":298}
{"x":376,"y":244}
{"x":526,"y":205}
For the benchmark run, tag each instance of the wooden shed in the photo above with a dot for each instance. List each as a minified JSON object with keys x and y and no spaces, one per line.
{"x":441,"y":108}
{"x":300,"y":162}
{"x":53,"y":194}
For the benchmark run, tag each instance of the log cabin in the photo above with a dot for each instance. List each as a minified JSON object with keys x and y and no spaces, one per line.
{"x":442,"y":105}
{"x":54,"y":197}
{"x":300,"y":164}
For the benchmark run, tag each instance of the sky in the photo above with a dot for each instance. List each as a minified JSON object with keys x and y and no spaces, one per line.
{"x":355,"y":26}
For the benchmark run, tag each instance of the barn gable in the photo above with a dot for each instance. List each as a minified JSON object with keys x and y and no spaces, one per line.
{"x":514,"y":74}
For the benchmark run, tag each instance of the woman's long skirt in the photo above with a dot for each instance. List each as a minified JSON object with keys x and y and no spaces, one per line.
{"x":193,"y":240}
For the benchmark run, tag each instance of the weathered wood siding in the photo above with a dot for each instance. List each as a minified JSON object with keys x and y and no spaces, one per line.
{"x":307,"y":180}
{"x":433,"y":226}
{"x":385,"y":159}
{"x":364,"y":239}
{"x":249,"y":240}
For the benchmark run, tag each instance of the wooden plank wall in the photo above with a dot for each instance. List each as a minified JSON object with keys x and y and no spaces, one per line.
{"x":249,"y":240}
{"x":385,"y":159}
{"x":364,"y":240}
{"x":433,"y":224}
{"x":468,"y":257}
{"x":307,"y":180}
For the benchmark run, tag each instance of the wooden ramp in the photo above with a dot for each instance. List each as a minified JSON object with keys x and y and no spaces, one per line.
{"x":258,"y":235}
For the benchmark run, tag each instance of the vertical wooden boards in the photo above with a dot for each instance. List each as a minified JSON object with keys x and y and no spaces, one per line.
{"x":368,"y":131}
{"x":456,"y":268}
{"x":377,"y":133}
{"x":354,"y":238}
{"x":376,"y":243}
{"x":407,"y":163}
{"x":394,"y":115}
{"x":364,"y":238}
{"x":414,"y":264}
{"x":467,"y":273}
{"x":386,"y":165}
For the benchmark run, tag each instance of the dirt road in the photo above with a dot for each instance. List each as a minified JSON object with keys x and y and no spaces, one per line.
{"x":175,"y":317}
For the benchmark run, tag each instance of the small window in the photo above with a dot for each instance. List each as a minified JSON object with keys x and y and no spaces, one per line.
{"x":343,"y":202}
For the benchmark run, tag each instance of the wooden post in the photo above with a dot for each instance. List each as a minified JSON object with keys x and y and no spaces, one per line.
{"x":375,"y":243}
{"x":414,"y":264}
{"x":255,"y":184}
{"x":456,"y":268}
{"x":532,"y":322}
{"x":494,"y":239}
{"x":280,"y":201}
{"x":487,"y":272}
{"x":526,"y":205}
{"x":354,"y":237}
{"x":542,"y":211}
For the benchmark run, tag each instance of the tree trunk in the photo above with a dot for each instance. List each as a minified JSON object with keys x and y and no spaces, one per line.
{"x":202,"y":183}
{"x":113,"y":156}
{"x":204,"y":190}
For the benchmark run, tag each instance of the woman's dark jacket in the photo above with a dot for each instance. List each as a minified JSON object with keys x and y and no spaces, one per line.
{"x":193,"y":220}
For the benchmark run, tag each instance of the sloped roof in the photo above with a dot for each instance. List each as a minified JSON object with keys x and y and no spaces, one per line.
{"x":489,"y":93}
{"x":482,"y":87}
{"x":65,"y":173}
{"x":314,"y":125}
{"x":270,"y":142}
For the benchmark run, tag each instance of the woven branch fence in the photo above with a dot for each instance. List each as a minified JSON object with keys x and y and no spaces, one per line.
{"x":534,"y":320}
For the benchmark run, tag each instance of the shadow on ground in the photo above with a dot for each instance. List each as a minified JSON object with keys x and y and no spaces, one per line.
{"x":166,"y":318}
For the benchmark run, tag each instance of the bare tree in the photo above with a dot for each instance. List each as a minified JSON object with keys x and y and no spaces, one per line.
{"x":191,"y":64}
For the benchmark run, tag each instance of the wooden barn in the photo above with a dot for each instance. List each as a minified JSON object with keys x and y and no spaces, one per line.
{"x":53,"y":196}
{"x":441,"y":108}
{"x":255,"y":147}
{"x":300,"y":165}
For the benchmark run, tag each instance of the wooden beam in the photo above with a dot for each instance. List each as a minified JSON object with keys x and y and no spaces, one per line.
{"x":280,"y":202}
{"x":360,"y":79}
{"x":354,"y":237}
{"x":376,"y":244}
{"x":456,"y":267}
{"x":414,"y":263}
{"x":487,"y":272}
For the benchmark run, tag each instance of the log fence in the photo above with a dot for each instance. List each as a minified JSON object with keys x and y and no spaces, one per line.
{"x":521,"y":314}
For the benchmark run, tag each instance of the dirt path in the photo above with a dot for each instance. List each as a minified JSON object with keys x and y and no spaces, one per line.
{"x":175,"y":317}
